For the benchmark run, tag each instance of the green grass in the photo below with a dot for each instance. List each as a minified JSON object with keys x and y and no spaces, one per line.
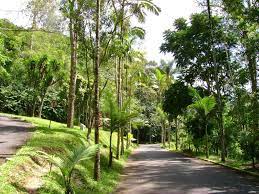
{"x":239,"y":165}
{"x":25,"y":174}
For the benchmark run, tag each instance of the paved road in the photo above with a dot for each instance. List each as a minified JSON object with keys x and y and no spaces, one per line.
{"x":152,"y":170}
{"x":13,"y":134}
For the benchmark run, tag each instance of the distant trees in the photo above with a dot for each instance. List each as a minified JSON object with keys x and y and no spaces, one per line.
{"x":30,"y":75}
{"x":176,"y":100}
{"x":42,"y":73}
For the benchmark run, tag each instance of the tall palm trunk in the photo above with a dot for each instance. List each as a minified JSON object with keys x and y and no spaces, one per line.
{"x":118,"y":101}
{"x":121,"y":101}
{"x":120,"y":70}
{"x":127,"y":96}
{"x":96,"y":91}
{"x":217,"y":85}
{"x":72,"y":85}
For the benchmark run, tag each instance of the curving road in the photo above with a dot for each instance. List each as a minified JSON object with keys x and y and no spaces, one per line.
{"x":13,"y":134}
{"x":152,"y":170}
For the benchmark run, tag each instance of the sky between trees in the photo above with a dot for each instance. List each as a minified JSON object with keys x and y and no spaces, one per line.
{"x":154,"y":26}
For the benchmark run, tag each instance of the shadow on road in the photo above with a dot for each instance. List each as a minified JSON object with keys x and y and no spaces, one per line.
{"x":152,"y":170}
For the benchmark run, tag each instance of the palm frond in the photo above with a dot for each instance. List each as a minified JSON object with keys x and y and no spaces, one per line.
{"x":209,"y":103}
{"x":150,"y":6}
{"x":138,"y":8}
{"x":205,"y":104}
{"x":138,"y":32}
{"x":195,"y":94}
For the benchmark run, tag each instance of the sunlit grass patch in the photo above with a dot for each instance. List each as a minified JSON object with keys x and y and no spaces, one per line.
{"x":27,"y":172}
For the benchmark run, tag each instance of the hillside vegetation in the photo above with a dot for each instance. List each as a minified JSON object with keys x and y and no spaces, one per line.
{"x":26,"y":172}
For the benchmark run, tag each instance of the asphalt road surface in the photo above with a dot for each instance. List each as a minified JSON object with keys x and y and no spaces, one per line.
{"x":13,"y":134}
{"x":152,"y":170}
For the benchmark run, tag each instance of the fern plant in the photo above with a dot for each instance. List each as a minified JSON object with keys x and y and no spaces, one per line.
{"x":67,"y":163}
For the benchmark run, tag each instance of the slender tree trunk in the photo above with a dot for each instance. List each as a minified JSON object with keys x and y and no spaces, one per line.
{"x":169,"y":136}
{"x":127,"y":97}
{"x":72,"y":85}
{"x":253,"y":162}
{"x":89,"y":116}
{"x":110,"y":155}
{"x":217,"y":85}
{"x":127,"y":140}
{"x":118,"y":101}
{"x":120,"y":71}
{"x":122,"y":141}
{"x":138,"y":136}
{"x":207,"y":140}
{"x":121,"y":103}
{"x":129,"y":133}
{"x":150,"y":135}
{"x":251,"y":56}
{"x":168,"y":139}
{"x":34,"y":106}
{"x":176,"y":134}
{"x":96,"y":91}
{"x":41,"y":104}
{"x":130,"y":129}
{"x":162,"y":134}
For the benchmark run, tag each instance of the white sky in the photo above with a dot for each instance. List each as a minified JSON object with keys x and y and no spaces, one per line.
{"x":154,"y":26}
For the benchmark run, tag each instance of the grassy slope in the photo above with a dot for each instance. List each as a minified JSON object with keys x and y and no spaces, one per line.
{"x":23,"y":174}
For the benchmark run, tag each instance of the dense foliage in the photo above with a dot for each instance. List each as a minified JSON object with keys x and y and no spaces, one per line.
{"x":77,"y":64}
{"x":213,"y":55}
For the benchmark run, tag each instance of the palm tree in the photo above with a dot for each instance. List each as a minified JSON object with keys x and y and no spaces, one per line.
{"x":72,"y":9}
{"x":160,"y":85}
{"x":119,"y":118}
{"x":203,"y":107}
{"x":126,"y":10}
